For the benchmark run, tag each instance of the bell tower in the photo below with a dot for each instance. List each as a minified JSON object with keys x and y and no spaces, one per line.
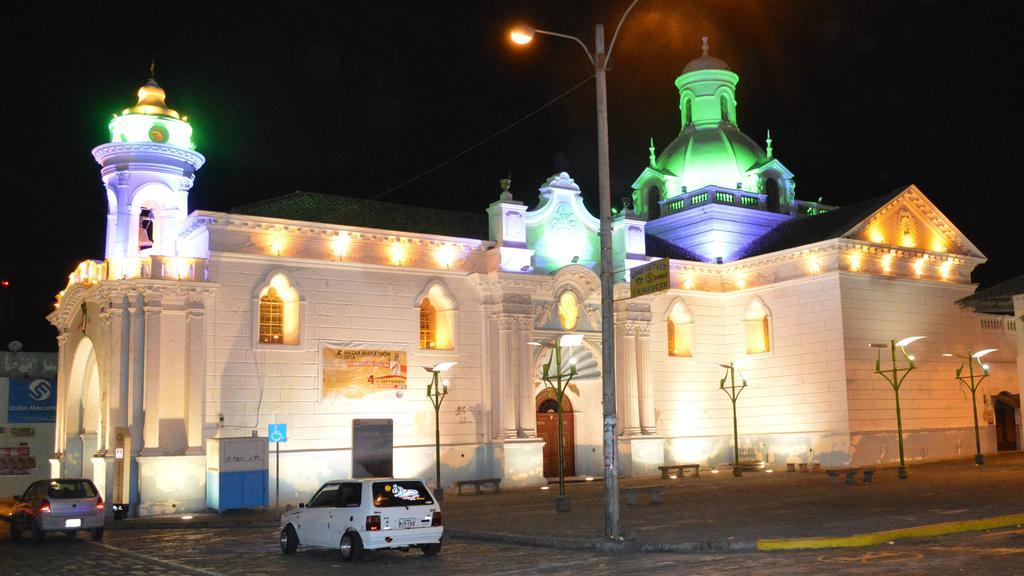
{"x":147,"y":169}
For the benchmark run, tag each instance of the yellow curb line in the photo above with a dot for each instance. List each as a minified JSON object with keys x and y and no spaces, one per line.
{"x":872,"y":538}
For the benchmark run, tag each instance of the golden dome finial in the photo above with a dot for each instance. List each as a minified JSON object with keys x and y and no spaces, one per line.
{"x":152,"y":97}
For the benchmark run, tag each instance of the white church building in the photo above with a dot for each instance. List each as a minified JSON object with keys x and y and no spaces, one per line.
{"x":323,"y":313}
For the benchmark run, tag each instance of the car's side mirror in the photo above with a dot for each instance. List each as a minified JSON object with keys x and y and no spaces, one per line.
{"x":302,"y":504}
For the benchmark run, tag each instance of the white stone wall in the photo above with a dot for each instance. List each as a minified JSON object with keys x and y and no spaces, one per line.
{"x":250,"y":386}
{"x":936,"y":412}
{"x":795,"y":400}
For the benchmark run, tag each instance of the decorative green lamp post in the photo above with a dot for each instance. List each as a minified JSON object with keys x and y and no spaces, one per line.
{"x":733,"y":392}
{"x":436,"y":391}
{"x":972,"y":383}
{"x":557,"y":379}
{"x":895,"y":377}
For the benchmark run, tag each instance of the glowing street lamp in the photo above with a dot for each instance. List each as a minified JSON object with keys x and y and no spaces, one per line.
{"x":599,"y":60}
{"x":733,"y":392}
{"x":895,"y":379}
{"x":972,"y":384}
{"x":558,"y":382}
{"x":436,"y":391}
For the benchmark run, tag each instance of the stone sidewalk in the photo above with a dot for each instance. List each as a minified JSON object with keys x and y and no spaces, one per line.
{"x":714,"y":511}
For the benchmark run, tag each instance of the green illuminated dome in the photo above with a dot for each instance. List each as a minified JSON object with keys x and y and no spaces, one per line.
{"x":710,"y":149}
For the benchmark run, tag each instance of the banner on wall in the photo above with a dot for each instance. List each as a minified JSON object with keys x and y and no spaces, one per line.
{"x":359,"y":372}
{"x":16,"y":461}
{"x":31,"y":400}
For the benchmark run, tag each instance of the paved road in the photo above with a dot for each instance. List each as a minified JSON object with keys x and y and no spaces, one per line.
{"x":254,"y":552}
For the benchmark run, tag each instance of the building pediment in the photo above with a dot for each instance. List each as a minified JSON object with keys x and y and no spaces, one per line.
{"x":911,"y":220}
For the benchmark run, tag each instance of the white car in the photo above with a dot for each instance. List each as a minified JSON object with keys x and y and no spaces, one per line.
{"x":365,"y":514}
{"x":67,"y":505}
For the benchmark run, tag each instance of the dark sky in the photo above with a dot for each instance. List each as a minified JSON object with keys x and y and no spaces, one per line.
{"x":860,"y":96}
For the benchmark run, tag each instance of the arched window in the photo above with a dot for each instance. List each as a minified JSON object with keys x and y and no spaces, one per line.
{"x":757,"y":327}
{"x":653,"y":205}
{"x":689,"y":111}
{"x":437,"y":320}
{"x":568,"y":310}
{"x":771,"y":189}
{"x":723,"y":102}
{"x":271,"y":317}
{"x":279,"y":312}
{"x":679,"y":327}
{"x":428,"y":325}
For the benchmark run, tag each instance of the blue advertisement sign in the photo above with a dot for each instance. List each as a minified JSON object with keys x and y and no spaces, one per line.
{"x":277,"y":432}
{"x":31,"y":400}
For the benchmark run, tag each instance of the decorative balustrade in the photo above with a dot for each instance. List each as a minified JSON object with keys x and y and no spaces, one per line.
{"x":729,"y":197}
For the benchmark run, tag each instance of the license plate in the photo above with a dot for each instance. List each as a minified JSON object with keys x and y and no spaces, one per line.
{"x":406,"y":522}
{"x":73,"y":523}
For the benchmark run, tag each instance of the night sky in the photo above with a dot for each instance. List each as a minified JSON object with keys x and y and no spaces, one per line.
{"x":861,"y":97}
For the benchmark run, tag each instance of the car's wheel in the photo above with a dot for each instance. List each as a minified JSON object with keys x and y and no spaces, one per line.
{"x":431,"y":549}
{"x":37,"y":532}
{"x":289,"y":540}
{"x":351,"y":546}
{"x":97,"y":533}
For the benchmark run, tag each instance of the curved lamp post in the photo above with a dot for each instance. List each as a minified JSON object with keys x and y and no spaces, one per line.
{"x":557,"y":380}
{"x":436,"y":391}
{"x":733,"y":392}
{"x":972,"y":383}
{"x":895,"y":377}
{"x":599,"y":60}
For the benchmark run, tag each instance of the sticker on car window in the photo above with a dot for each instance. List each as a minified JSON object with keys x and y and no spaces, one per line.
{"x":406,"y":493}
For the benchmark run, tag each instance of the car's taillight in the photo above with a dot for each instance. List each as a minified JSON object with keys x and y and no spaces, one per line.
{"x":99,"y":503}
{"x":372,"y":523}
{"x":44,"y":507}
{"x":436,"y":520}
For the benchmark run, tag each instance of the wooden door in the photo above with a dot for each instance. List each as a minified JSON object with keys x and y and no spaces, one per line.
{"x":1006,"y":424}
{"x":547,"y":428}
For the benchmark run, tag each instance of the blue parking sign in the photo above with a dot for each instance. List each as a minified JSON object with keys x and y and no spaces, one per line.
{"x":277,"y":432}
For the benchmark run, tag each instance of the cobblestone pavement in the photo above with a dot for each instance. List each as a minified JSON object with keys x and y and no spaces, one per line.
{"x":255,"y":552}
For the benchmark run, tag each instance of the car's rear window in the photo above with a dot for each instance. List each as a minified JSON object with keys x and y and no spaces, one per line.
{"x":400,"y":493}
{"x":70,"y":489}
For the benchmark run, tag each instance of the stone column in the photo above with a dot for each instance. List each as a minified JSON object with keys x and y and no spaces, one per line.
{"x":151,"y":392}
{"x":196,"y":379}
{"x":526,"y":409}
{"x":506,"y":377}
{"x":136,"y":387}
{"x":63,"y":365}
{"x":631,"y":403}
{"x":645,"y":382}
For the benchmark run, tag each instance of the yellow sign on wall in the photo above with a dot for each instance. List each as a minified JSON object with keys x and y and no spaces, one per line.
{"x":355,"y":373}
{"x":649,"y":278}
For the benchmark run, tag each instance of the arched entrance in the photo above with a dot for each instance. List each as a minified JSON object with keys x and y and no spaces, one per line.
{"x":547,"y":428}
{"x":1006,"y":406}
{"x":82,"y":414}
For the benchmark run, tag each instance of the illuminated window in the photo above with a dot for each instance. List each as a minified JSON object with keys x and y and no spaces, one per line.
{"x":724,"y":105}
{"x":278,"y":312}
{"x":568,"y":310}
{"x":679,"y":327}
{"x":689,"y":111}
{"x":271,"y":317}
{"x":757,"y":328}
{"x":437,"y":320}
{"x":428,"y":325}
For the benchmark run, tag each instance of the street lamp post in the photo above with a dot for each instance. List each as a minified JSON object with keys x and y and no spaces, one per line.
{"x":972,"y":384}
{"x":599,"y":60}
{"x":895,"y":380}
{"x":733,"y":392}
{"x":562,"y":378}
{"x":436,"y":392}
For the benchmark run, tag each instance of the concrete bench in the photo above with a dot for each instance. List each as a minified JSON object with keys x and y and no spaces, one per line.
{"x":494,"y":482}
{"x":851,"y":473}
{"x":680,"y":470}
{"x":653,"y":490}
